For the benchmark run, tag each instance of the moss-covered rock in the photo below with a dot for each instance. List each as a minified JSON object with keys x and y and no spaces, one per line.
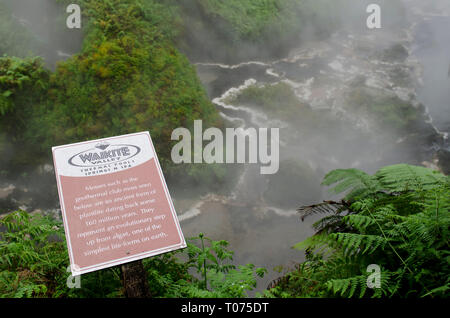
{"x":277,"y":101}
{"x":236,"y":30}
{"x":385,"y":111}
{"x":128,"y":77}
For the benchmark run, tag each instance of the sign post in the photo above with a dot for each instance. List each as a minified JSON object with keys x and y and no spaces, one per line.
{"x":115,"y":204}
{"x":134,"y":280}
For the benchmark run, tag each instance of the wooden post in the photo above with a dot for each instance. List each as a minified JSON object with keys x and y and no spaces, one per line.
{"x":134,"y":279}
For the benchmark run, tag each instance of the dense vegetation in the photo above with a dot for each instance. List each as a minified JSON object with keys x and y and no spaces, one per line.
{"x":269,"y":97}
{"x":128,"y":77}
{"x":388,"y":113}
{"x":242,"y":29}
{"x":397,"y":219}
{"x":236,"y":30}
{"x":24,"y":84}
{"x":34,"y":262}
{"x":257,"y":21}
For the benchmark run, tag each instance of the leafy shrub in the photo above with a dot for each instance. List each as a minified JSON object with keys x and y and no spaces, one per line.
{"x":224,"y":280}
{"x":34,"y":262}
{"x":128,"y":77}
{"x":387,"y":112}
{"x":23,"y":83}
{"x":397,"y":218}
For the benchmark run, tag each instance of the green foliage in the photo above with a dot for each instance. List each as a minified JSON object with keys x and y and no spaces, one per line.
{"x":358,"y":181}
{"x":278,"y":99}
{"x":211,"y":175}
{"x":386,"y":111}
{"x":250,"y":19}
{"x":219,"y":278}
{"x":259,"y":21}
{"x":236,"y":30}
{"x":402,"y":177}
{"x":23,"y":88}
{"x":19,"y":77}
{"x":280,"y":21}
{"x":129,"y":77}
{"x":34,"y":262}
{"x":398,"y":218}
{"x":392,"y":179}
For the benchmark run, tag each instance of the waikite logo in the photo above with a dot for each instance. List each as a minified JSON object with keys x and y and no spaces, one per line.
{"x":104,"y":153}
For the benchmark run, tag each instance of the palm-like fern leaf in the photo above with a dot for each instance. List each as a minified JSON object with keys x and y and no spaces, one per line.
{"x":357,"y":182}
{"x":403,"y":177}
{"x":327,"y":207}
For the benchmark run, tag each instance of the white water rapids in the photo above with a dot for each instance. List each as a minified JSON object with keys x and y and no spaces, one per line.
{"x":321,"y":75}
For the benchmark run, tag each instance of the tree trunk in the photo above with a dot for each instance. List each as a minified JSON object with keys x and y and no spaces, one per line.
{"x":135,"y":280}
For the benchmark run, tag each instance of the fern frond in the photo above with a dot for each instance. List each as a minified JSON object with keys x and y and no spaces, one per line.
{"x":356,"y":182}
{"x":398,"y":219}
{"x":403,"y":177}
{"x":314,"y":243}
{"x":358,"y":221}
{"x":353,"y":243}
{"x":328,"y":224}
{"x":442,"y":290}
{"x":327,"y":207}
{"x":347,"y":286}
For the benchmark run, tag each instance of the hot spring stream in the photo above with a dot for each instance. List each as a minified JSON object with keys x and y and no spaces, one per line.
{"x":321,"y":74}
{"x":257,"y":214}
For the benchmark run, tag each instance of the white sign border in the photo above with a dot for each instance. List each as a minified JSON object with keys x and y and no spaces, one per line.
{"x":75,"y":269}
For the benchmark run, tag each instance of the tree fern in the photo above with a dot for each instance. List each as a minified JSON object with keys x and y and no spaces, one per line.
{"x":327,"y":207}
{"x":358,"y":221}
{"x":398,"y":218}
{"x":348,"y":286}
{"x":356,"y":182}
{"x":403,"y":177}
{"x":355,"y":243}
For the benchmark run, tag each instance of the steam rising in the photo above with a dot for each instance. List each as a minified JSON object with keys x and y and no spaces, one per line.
{"x":258,"y":214}
{"x":45,"y":20}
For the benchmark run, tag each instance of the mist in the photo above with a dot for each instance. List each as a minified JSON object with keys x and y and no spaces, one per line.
{"x":318,"y":85}
{"x":45,"y":21}
{"x":35,"y":28}
{"x":327,"y":71}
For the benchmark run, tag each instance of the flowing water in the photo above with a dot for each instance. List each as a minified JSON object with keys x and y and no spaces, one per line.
{"x":432,"y":47}
{"x":321,"y":75}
